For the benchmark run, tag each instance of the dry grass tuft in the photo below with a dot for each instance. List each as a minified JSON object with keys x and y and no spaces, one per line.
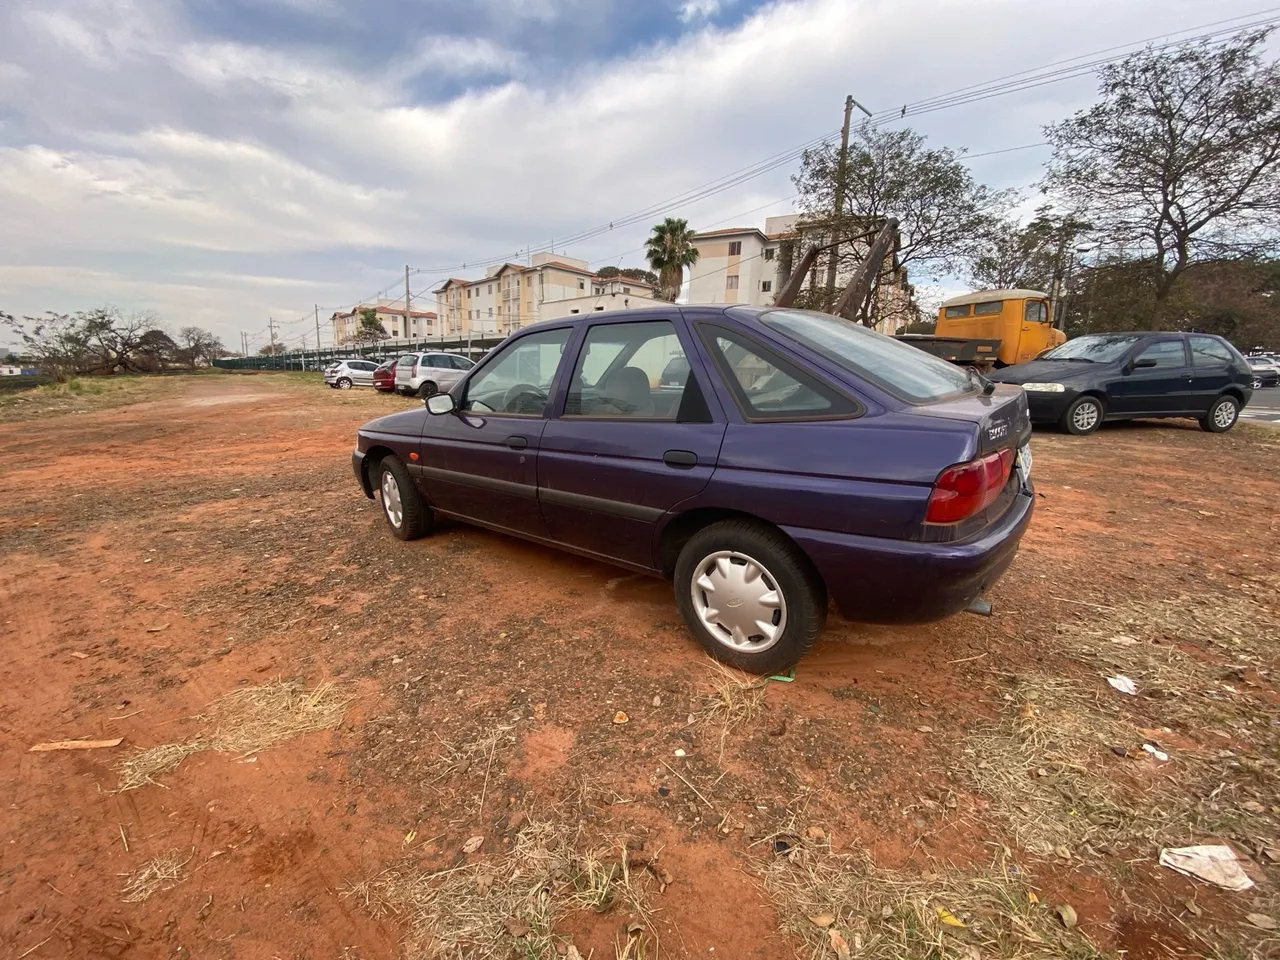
{"x":247,"y":720}
{"x":159,"y":873}
{"x":734,"y":700}
{"x":889,"y":915}
{"x":506,"y":906}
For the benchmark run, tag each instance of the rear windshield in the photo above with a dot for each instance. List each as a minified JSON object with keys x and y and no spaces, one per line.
{"x":905,"y":371}
{"x":1098,"y":347}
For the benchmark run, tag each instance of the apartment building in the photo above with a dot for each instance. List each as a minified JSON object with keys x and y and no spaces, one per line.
{"x":612,"y":293}
{"x":513,"y":295}
{"x":749,"y":265}
{"x":420,"y":323}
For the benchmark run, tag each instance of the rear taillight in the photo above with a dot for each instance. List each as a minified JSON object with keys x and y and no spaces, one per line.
{"x":963,"y":490}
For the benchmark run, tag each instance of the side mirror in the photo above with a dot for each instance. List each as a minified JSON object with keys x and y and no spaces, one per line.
{"x":1143,"y":362}
{"x":439,"y":403}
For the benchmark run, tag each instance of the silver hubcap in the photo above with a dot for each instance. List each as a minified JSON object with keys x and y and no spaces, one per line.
{"x":738,"y":601}
{"x":391,"y":499}
{"x":344,"y":384}
{"x":1257,"y":383}
{"x":1225,"y":414}
{"x":1086,"y":416}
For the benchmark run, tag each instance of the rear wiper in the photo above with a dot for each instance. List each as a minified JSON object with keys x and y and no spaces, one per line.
{"x":975,"y":377}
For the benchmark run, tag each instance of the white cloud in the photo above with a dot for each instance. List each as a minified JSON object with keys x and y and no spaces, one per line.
{"x":698,"y":9}
{"x":159,"y":157}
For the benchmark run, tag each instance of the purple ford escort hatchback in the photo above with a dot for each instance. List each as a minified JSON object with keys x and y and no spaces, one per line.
{"x":762,"y":458}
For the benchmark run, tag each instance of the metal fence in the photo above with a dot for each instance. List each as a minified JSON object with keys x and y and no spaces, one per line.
{"x":473,"y":348}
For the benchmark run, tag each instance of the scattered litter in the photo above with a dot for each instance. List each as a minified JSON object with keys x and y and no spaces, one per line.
{"x":1213,"y":863}
{"x":1261,"y":921}
{"x":472,"y":845}
{"x":785,"y":677}
{"x":1067,"y":914}
{"x":75,"y":745}
{"x":949,"y":918}
{"x":163,"y":626}
{"x":680,"y":752}
{"x":924,"y":729}
{"x":79,"y":656}
{"x":1123,"y":684}
{"x":1124,"y":640}
{"x":839,"y":944}
{"x":620,"y":717}
{"x":657,"y":701}
{"x":1155,"y":752}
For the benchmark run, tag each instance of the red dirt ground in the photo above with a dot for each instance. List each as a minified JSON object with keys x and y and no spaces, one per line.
{"x":224,"y":514}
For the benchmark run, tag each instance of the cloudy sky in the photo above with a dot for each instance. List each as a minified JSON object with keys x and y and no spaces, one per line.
{"x":222,"y":161}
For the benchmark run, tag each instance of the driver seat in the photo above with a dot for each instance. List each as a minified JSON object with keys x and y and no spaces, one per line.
{"x":628,"y":389}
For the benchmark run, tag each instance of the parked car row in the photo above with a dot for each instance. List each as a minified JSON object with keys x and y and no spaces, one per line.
{"x":420,"y":374}
{"x":1265,"y":370}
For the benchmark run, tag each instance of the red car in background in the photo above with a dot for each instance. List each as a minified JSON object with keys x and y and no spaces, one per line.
{"x":384,"y":378}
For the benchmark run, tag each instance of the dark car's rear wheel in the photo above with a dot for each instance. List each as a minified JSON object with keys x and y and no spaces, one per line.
{"x":428,"y":389}
{"x":406,"y":513}
{"x":1222,"y":415}
{"x":749,"y":596}
{"x":1083,"y":417}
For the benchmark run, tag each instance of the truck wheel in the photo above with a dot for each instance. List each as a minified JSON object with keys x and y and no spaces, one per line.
{"x":749,"y":596}
{"x":1083,"y":417}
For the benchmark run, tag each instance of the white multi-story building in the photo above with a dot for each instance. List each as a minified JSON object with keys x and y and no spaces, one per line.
{"x":513,"y":295}
{"x":750,"y":265}
{"x":419,"y":323}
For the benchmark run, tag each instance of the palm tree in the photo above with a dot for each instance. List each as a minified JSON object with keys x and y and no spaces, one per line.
{"x":669,"y":250}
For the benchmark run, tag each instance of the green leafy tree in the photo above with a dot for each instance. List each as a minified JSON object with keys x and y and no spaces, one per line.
{"x":198,"y":346}
{"x":943,"y":213}
{"x":57,"y":343}
{"x":1179,"y":161}
{"x":271,"y":349}
{"x":1032,"y":256}
{"x":370,"y":329}
{"x":669,"y":250}
{"x":631,"y":273}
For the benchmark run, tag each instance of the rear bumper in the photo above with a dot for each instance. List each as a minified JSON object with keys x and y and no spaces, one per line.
{"x":876,"y":580}
{"x":357,"y":464}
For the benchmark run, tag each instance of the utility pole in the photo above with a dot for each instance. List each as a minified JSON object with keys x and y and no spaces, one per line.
{"x":317,"y":336}
{"x":406,"y":300}
{"x":271,"y":328}
{"x":837,"y":211}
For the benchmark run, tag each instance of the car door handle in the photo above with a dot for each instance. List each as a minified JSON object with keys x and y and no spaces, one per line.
{"x":517,"y":443}
{"x":680,"y":458}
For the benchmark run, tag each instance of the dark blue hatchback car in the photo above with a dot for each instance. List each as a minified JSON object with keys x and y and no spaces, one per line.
{"x":763,"y":458}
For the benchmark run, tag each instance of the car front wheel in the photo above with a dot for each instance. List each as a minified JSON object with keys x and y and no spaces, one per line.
{"x":406,"y":513}
{"x":1083,"y":417}
{"x":1222,"y":415}
{"x":749,"y":596}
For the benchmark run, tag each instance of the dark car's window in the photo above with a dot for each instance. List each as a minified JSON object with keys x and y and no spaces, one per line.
{"x":1098,"y":347}
{"x":766,"y":386}
{"x":1209,"y":352}
{"x":1166,"y":353}
{"x":518,"y":378}
{"x":903,"y":370}
{"x":619,"y":372}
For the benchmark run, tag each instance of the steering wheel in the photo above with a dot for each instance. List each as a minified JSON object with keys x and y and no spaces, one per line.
{"x":515,"y":397}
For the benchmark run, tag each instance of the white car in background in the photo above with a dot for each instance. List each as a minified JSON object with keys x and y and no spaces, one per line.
{"x":350,"y":373}
{"x":428,"y":373}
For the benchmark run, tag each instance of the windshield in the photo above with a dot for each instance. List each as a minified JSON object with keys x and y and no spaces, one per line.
{"x":1098,"y":347}
{"x":905,"y":371}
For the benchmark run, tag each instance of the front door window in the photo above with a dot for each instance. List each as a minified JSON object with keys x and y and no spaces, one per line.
{"x":518,"y":380}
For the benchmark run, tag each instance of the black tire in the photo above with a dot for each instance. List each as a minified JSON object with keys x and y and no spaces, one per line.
{"x":428,"y":389}
{"x":1211,"y":420}
{"x":415,"y":516}
{"x":344,"y":383}
{"x":1077,"y":421}
{"x":804,"y":595}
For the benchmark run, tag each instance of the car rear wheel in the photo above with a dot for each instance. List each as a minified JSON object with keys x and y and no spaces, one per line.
{"x":1083,"y":417}
{"x":1256,"y":383}
{"x":428,"y":389}
{"x":406,"y":513}
{"x":1222,"y":415}
{"x":749,"y":596}
{"x":344,"y":383}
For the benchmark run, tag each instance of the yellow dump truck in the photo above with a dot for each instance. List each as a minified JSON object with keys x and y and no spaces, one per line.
{"x":992,"y":328}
